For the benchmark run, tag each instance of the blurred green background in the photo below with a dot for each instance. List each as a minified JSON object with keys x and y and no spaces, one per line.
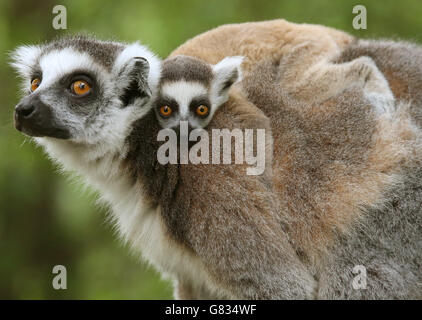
{"x":47,"y":219}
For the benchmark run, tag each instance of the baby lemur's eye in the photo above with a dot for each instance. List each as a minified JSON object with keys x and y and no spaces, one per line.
{"x":165,"y":111}
{"x":202,"y":110}
{"x":80,"y":87}
{"x":35,"y":83}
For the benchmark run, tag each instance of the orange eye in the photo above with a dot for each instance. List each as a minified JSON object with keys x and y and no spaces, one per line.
{"x":35,"y":83}
{"x":165,"y":111}
{"x":202,"y":110}
{"x":80,"y":87}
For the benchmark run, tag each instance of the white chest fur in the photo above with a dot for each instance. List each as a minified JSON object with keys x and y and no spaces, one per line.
{"x":139,"y":224}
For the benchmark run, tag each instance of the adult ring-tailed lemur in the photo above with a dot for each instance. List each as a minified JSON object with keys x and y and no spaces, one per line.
{"x":342,"y":183}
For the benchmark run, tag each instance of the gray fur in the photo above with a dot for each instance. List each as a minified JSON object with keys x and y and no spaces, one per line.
{"x":388,"y":243}
{"x":401,"y":64}
{"x":309,"y":142}
{"x":212,"y":211}
{"x":103,"y":52}
{"x":186,"y":68}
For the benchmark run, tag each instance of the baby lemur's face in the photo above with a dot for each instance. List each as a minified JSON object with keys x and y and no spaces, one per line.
{"x":192,"y":90}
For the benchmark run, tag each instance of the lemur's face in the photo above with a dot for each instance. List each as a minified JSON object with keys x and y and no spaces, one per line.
{"x":83,"y":90}
{"x":192,"y":90}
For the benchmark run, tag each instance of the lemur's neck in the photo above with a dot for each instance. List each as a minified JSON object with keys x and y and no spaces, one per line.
{"x":133,"y":165}
{"x":141,"y":162}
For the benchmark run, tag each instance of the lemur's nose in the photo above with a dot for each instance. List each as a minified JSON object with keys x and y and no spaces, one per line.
{"x":24,"y":111}
{"x":36,"y":119}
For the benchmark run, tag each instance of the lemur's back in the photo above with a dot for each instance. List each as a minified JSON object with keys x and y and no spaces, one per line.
{"x":349,"y":183}
{"x":257,"y":41}
{"x":388,"y":242}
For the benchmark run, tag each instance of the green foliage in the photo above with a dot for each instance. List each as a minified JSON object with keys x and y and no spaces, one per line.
{"x":46,"y":219}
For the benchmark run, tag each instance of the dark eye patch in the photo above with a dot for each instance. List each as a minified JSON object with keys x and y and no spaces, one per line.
{"x":198,"y":101}
{"x":87,"y":76}
{"x":167,"y":101}
{"x":36,"y":74}
{"x":78,"y":103}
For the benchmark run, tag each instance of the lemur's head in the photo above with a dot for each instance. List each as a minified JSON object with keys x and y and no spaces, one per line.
{"x":192,"y":90}
{"x":83,"y":90}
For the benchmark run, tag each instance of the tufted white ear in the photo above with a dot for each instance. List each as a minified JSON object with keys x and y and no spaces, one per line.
{"x":24,"y":59}
{"x":226,"y":73}
{"x":136,"y":50}
{"x":132,"y":80}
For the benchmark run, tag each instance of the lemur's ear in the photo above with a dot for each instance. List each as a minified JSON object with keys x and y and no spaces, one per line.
{"x":132,"y":79}
{"x":23,"y":59}
{"x":226,"y":73}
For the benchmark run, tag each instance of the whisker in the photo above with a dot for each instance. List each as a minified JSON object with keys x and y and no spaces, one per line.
{"x":23,"y":142}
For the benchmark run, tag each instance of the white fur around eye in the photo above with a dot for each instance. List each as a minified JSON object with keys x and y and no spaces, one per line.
{"x":57,"y":63}
{"x":183,"y":92}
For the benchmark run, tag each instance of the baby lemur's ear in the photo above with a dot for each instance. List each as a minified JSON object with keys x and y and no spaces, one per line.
{"x":226,"y":73}
{"x":132,"y":80}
